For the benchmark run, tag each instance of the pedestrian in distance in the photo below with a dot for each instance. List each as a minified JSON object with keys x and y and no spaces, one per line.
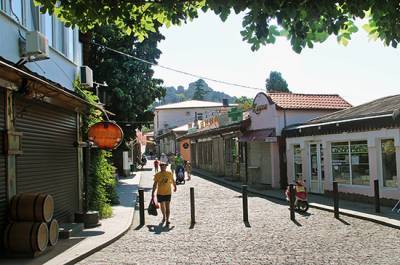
{"x":156,"y":163}
{"x":188,"y":169}
{"x":172,"y":163}
{"x":164,"y":158}
{"x":163,"y":181}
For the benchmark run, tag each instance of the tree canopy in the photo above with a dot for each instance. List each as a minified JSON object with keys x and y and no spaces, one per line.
{"x":200,"y":91}
{"x":131,"y":86}
{"x":304,"y":23}
{"x":245,"y":103}
{"x":276,"y":83}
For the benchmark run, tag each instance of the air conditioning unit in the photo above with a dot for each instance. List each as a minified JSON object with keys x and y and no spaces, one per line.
{"x":37,"y":47}
{"x":86,"y":76}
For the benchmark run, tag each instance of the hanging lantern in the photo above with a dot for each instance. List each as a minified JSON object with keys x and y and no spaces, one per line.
{"x":106,"y":135}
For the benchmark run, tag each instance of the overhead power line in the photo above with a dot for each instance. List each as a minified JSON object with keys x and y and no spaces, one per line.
{"x":175,"y":70}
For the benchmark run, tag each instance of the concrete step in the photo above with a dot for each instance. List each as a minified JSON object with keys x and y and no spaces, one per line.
{"x":67,"y":230}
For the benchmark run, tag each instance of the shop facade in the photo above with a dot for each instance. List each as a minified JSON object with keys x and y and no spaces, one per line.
{"x":263,"y":140}
{"x":353,"y":147}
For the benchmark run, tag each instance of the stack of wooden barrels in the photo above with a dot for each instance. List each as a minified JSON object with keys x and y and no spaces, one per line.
{"x":32,"y":226}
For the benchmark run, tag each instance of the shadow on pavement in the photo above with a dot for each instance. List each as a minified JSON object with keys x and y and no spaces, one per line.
{"x":247,"y":224}
{"x":296,"y":223}
{"x":91,"y":233}
{"x":343,"y":221}
{"x":47,"y":255}
{"x":158,"y":229}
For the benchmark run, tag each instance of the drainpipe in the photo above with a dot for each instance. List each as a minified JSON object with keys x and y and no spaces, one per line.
{"x":284,"y":118}
{"x":246,"y":163}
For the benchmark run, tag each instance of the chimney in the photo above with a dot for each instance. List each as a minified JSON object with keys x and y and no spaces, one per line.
{"x":225,"y":102}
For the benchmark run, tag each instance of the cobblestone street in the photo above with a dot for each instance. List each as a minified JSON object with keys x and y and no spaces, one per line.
{"x":220,"y":237}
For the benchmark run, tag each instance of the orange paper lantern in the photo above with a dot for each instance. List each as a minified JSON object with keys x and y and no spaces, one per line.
{"x":106,"y":135}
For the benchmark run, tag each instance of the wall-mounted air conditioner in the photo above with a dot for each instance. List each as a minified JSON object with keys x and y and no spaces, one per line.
{"x":86,"y":76}
{"x":37,"y":47}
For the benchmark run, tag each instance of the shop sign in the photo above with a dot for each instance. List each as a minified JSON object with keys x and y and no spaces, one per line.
{"x":106,"y":135}
{"x":260,"y":103}
{"x":258,"y":108}
{"x":209,"y":123}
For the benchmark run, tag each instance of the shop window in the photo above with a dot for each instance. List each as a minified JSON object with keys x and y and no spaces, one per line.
{"x":199,"y":116}
{"x":298,"y":165}
{"x":211,"y":151}
{"x":229,"y":150}
{"x":242,"y":152}
{"x":350,"y":163}
{"x":389,"y":167}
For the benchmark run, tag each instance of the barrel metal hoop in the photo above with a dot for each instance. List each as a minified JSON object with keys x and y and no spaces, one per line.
{"x":17,"y":207}
{"x":34,"y":207}
{"x":8,"y":236}
{"x":33,"y":237}
{"x":42,"y":211}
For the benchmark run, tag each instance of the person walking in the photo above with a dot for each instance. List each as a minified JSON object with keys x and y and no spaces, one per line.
{"x":156,"y":163}
{"x":172,"y":163}
{"x":164,"y":158}
{"x":163,"y":181}
{"x":188,"y":169}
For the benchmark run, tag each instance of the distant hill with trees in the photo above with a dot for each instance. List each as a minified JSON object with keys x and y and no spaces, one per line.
{"x":198,"y":90}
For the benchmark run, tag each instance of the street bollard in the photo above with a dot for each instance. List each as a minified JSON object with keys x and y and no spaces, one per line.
{"x":245,"y":206}
{"x":192,"y":211}
{"x":335,"y":200}
{"x":141,"y":206}
{"x":291,"y":201}
{"x":377,"y":199}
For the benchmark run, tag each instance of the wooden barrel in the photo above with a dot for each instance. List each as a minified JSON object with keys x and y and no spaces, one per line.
{"x":32,"y":207}
{"x":53,"y":232}
{"x":26,"y":237}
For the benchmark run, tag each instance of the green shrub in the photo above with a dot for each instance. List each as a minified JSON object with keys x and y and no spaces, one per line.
{"x":102,"y":192}
{"x":102,"y":183}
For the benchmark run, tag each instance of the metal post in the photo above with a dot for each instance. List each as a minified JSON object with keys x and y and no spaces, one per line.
{"x":141,"y":206}
{"x":192,"y":209}
{"x":245,"y":206}
{"x":336,"y":199}
{"x":377,"y":199}
{"x":291,"y":200}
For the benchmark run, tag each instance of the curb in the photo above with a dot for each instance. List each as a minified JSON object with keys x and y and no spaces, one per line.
{"x":109,"y":242}
{"x":312,"y":205}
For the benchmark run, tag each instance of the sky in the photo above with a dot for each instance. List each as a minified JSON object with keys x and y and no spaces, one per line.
{"x":360,"y":72}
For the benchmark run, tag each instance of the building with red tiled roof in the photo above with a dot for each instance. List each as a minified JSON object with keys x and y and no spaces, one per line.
{"x":356,"y":147}
{"x":308,"y":101}
{"x":255,"y":154}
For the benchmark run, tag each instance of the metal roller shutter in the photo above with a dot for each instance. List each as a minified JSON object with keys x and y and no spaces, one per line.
{"x":3,"y":179}
{"x":49,"y":161}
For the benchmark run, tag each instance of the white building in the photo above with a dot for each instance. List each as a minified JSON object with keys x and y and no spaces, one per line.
{"x":65,"y":50}
{"x":173,"y":115}
{"x":353,"y":147}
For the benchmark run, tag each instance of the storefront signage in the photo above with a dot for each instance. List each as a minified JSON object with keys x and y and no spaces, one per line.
{"x":258,"y":108}
{"x":106,"y":135}
{"x":260,"y":103}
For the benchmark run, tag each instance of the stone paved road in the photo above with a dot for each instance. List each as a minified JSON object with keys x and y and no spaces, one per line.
{"x":220,"y":237}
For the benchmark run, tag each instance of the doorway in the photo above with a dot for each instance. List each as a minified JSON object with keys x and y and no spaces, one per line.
{"x":316,"y":176}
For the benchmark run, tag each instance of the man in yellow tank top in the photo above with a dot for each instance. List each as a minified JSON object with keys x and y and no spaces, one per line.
{"x":162,"y":183}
